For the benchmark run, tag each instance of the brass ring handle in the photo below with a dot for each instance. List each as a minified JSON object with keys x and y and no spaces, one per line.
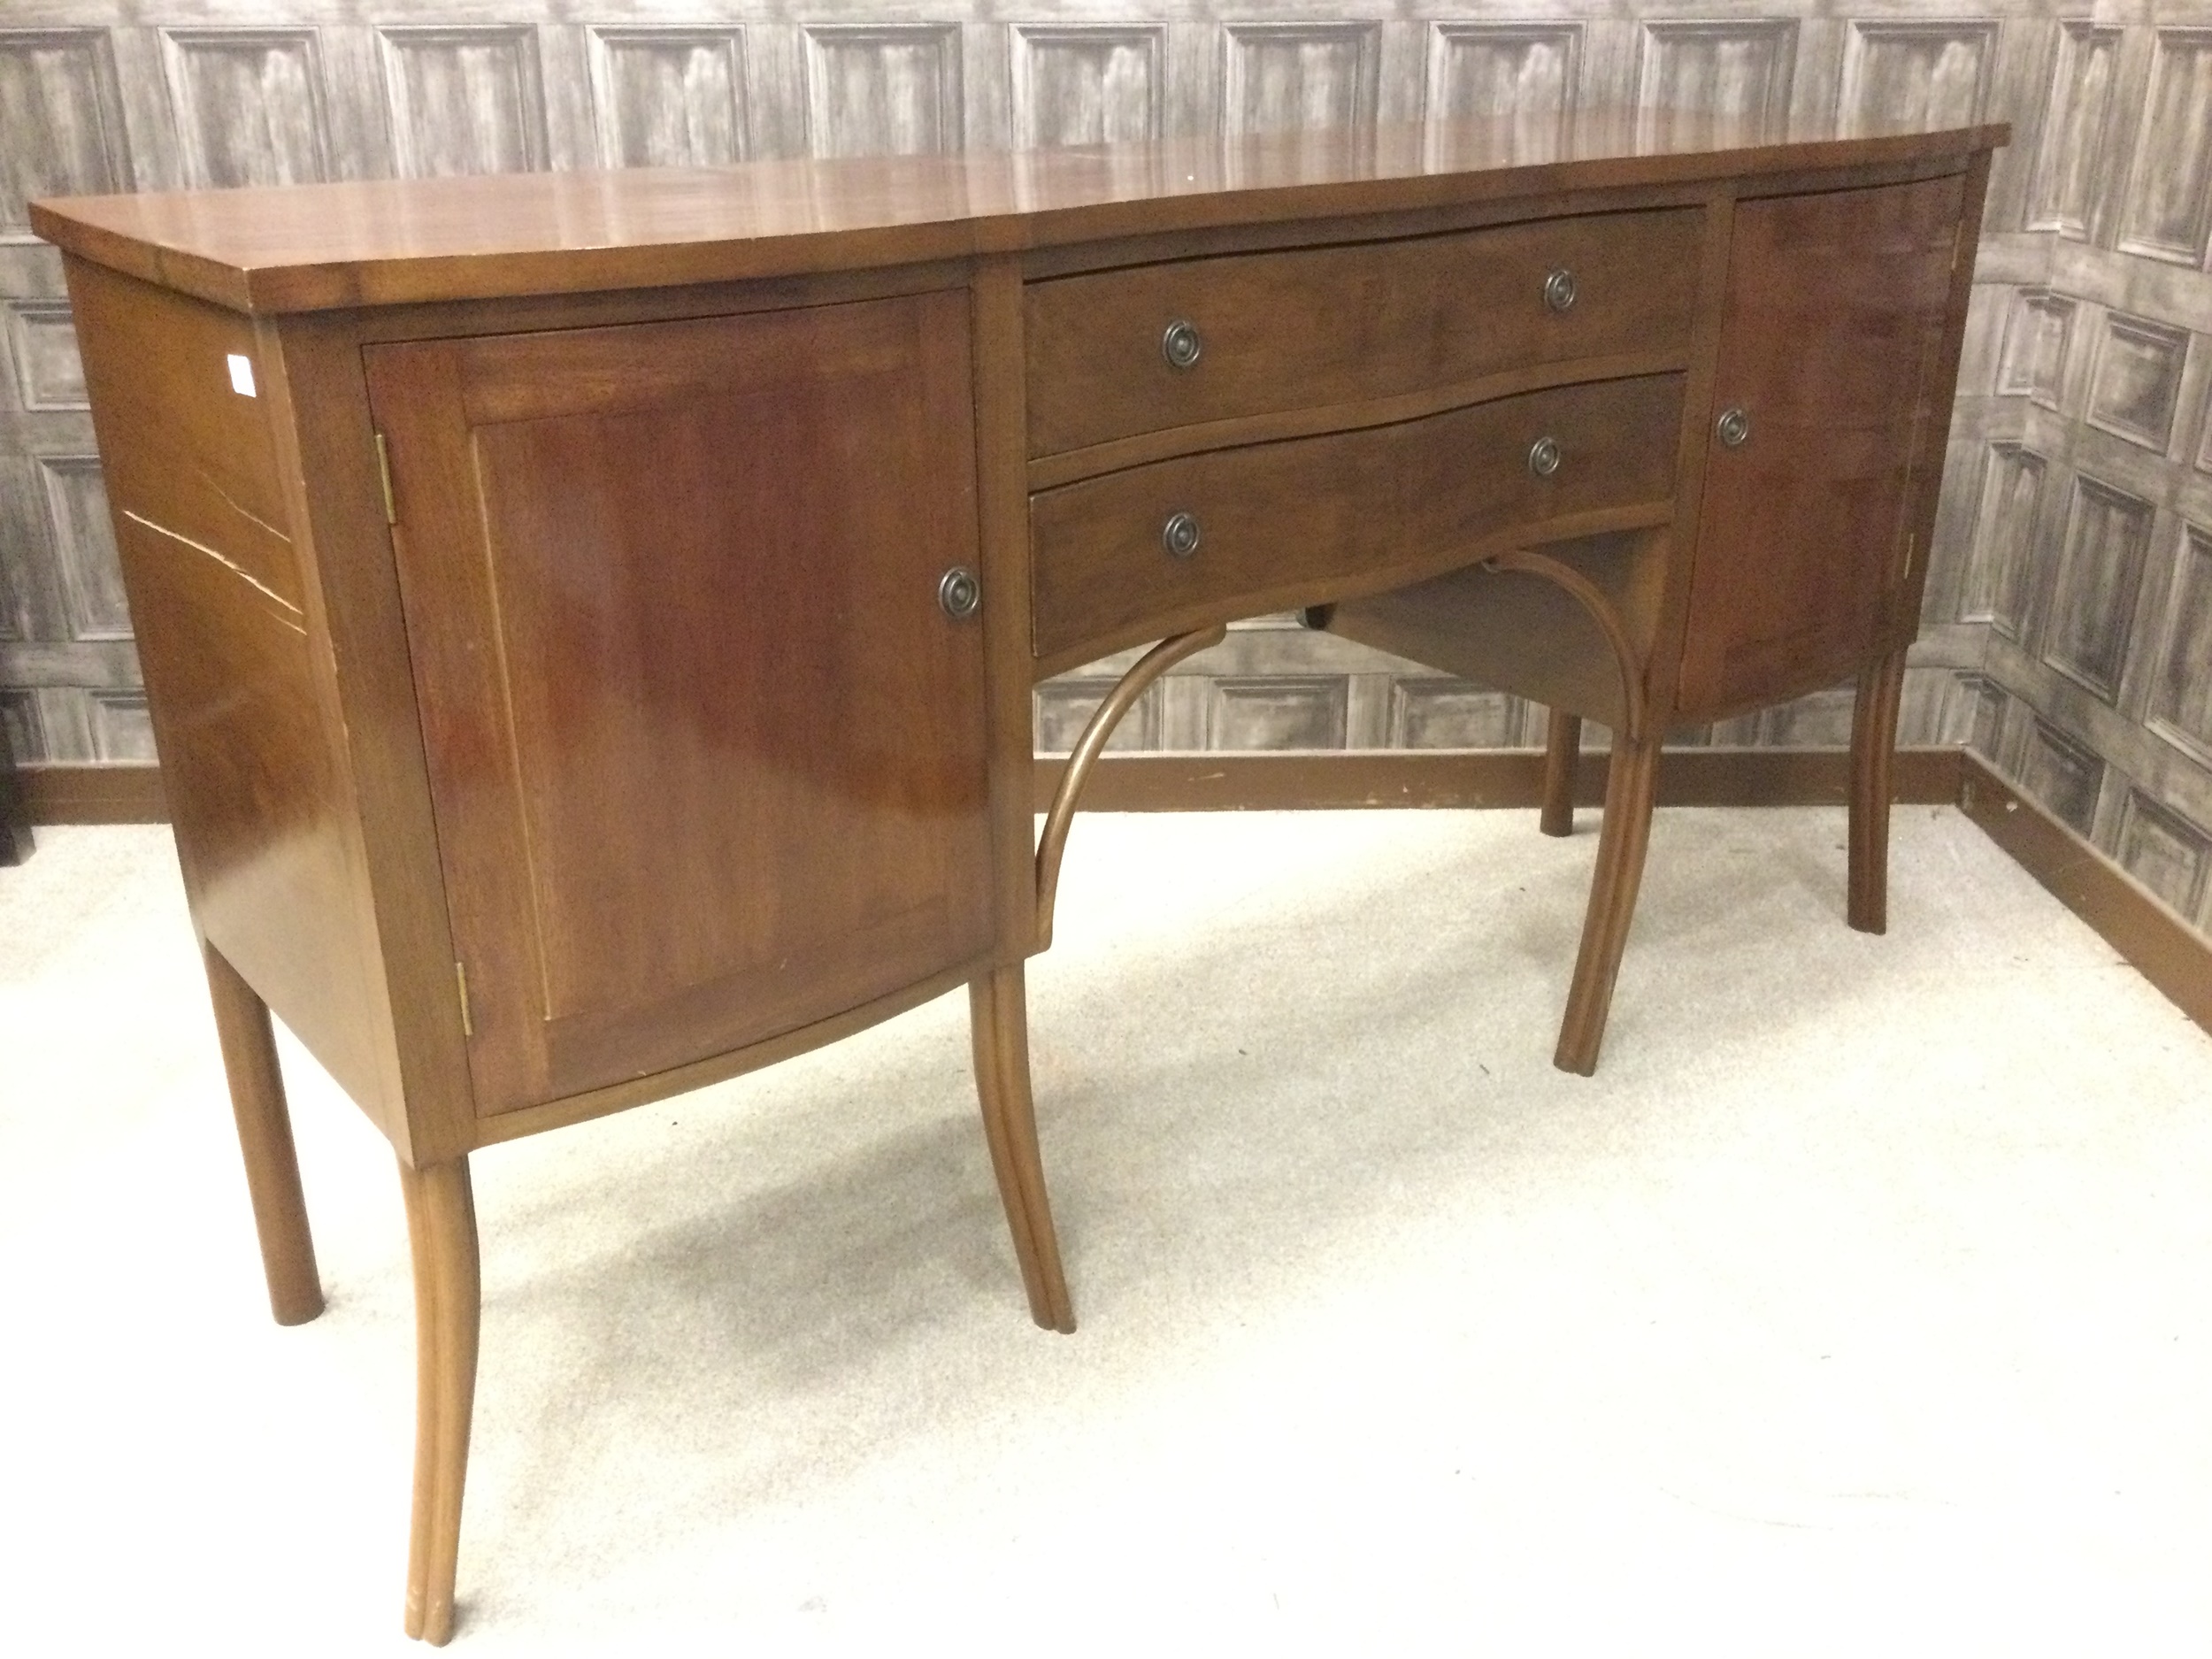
{"x":1179,"y":534}
{"x":1734,"y":427}
{"x":1559,"y":290}
{"x":960,"y":591}
{"x":1180,"y":344}
{"x":1544,"y":456}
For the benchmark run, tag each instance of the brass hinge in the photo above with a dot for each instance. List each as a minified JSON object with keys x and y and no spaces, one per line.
{"x":1912,"y":548}
{"x":461,"y":982}
{"x":384,"y":472}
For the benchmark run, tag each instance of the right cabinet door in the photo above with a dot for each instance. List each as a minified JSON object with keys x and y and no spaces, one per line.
{"x":1827,"y":411}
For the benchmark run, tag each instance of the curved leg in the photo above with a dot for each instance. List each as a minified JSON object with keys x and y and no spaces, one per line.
{"x":1873,"y":740}
{"x":449,"y":1294}
{"x":998,"y":1010}
{"x":1563,"y":743}
{"x":1629,"y":782}
{"x":1090,"y":746}
{"x":264,"y":1136}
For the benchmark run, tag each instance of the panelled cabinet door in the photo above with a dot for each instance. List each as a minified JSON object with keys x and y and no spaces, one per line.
{"x":1826,"y":415}
{"x":707,"y":754}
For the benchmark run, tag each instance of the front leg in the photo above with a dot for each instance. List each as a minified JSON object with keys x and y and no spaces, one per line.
{"x":448,"y":1300}
{"x":998,"y":1008}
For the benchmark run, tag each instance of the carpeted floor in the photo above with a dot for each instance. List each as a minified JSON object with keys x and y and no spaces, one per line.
{"x":1858,"y":1306}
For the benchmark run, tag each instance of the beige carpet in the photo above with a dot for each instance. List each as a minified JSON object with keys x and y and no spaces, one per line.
{"x":1858,"y":1306}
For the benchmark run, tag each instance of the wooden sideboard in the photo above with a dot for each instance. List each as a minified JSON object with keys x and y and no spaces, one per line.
{"x":589,"y":619}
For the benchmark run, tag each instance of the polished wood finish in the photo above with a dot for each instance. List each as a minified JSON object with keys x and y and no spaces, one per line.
{"x":1873,"y":740}
{"x":265,"y":1137}
{"x":1836,"y":307}
{"x":1809,"y":472}
{"x":548,"y":659}
{"x":1097,"y":732}
{"x":999,"y":1022}
{"x":1629,"y":797}
{"x":1319,"y":327}
{"x":701,"y":645}
{"x":1316,"y":516}
{"x":387,"y":242}
{"x":448,"y":1306}
{"x":1563,"y":746}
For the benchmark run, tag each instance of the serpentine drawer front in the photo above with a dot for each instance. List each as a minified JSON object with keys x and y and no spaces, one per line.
{"x":590,"y":621}
{"x":1182,"y":342}
{"x":1154,"y":549}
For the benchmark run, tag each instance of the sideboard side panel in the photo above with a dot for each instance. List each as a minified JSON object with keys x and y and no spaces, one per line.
{"x":263,"y":819}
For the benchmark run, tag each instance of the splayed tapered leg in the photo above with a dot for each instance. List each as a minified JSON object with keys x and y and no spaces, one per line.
{"x":448,"y":1296}
{"x":1630,"y":781}
{"x":265,"y":1137}
{"x":1563,"y":743}
{"x":1873,"y":741}
{"x":998,"y":1009}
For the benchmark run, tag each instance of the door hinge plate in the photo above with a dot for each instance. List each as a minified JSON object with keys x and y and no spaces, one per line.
{"x":461,"y":984}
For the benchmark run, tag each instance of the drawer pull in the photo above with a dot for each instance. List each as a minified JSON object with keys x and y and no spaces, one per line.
{"x":1180,"y":344}
{"x":1733,"y":426}
{"x":1179,"y":534}
{"x":959,"y":592}
{"x":1543,"y":456}
{"x":1559,"y":290}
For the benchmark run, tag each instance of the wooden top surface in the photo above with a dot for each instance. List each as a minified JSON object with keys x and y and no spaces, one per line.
{"x":322,"y":247}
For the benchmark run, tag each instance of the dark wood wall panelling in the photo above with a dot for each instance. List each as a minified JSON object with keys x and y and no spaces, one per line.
{"x":2068,"y":631}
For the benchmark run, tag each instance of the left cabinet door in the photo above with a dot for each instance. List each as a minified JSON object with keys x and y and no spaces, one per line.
{"x":707,"y":754}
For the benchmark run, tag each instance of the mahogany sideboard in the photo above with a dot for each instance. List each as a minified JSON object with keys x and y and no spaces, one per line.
{"x":589,"y":621}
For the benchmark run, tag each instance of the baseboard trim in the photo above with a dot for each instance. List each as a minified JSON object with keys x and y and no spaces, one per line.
{"x":2156,"y":942}
{"x":1484,"y":777}
{"x":2160,"y":944}
{"x":63,"y":793}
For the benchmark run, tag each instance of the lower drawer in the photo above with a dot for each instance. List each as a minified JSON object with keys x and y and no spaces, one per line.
{"x":1157,"y":548}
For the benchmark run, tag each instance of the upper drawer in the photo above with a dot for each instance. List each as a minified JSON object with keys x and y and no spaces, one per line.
{"x":1320,"y":325}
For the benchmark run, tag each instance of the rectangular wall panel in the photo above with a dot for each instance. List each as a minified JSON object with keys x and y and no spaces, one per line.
{"x":2064,"y":775}
{"x":1523,"y":74}
{"x":2136,"y":383}
{"x":1439,"y":713}
{"x":665,"y":97}
{"x":1064,"y":706}
{"x":2093,"y":600}
{"x":890,"y":91}
{"x":83,"y":541}
{"x":2181,"y":698}
{"x":61,"y":123}
{"x":42,"y":346}
{"x":1290,"y":76}
{"x":463,"y":100}
{"x":1086,"y":86}
{"x":2004,"y":539}
{"x":249,"y":105}
{"x":2163,"y":851}
{"x":2168,"y":210}
{"x":1282,"y":711}
{"x":2071,"y":158}
{"x":1916,"y":74}
{"x":1696,"y":81}
{"x":2036,"y":332}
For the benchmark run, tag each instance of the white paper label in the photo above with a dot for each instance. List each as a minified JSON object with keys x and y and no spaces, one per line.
{"x":240,"y":374}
